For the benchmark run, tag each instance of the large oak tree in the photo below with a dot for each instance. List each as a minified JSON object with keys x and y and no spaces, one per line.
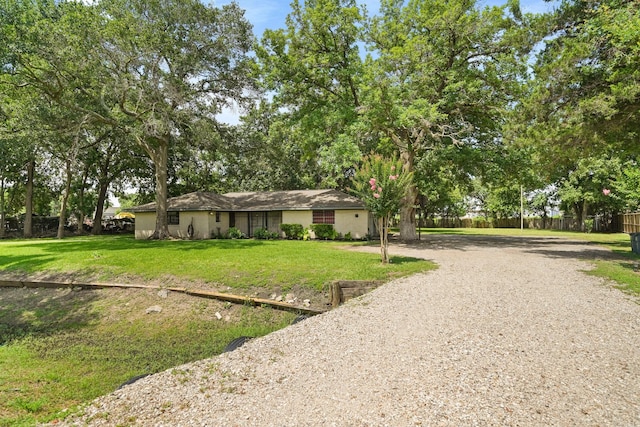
{"x":442,"y":72}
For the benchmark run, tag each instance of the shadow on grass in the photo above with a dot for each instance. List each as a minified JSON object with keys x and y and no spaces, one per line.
{"x":552,"y":246}
{"x":399,"y":260}
{"x":43,"y":312}
{"x":428,"y":231}
{"x":23,"y":262}
{"x":120,"y":243}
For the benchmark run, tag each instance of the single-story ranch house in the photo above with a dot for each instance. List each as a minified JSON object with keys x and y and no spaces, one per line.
{"x":203,"y":215}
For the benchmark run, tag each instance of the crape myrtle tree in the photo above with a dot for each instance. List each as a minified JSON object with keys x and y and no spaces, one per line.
{"x":381,"y":184}
{"x":442,"y":72}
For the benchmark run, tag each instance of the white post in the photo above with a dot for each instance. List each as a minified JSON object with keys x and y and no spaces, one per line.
{"x":521,"y":208}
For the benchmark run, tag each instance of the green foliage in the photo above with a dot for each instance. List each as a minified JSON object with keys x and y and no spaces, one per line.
{"x":629,"y":186}
{"x":381,"y":184}
{"x":293,"y":231}
{"x":449,"y":85}
{"x":588,"y":225}
{"x":584,"y":98}
{"x":324,"y":231}
{"x":170,"y":66}
{"x":234,"y":233}
{"x":592,"y":187}
{"x":264,"y":153}
{"x":264,"y":234}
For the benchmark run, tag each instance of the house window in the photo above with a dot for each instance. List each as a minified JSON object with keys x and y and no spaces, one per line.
{"x":217,"y":216}
{"x":232,"y":219}
{"x":173,"y":218}
{"x":324,"y":217}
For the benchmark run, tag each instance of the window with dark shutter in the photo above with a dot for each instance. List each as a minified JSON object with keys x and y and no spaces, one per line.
{"x":324,"y":217}
{"x":173,"y":218}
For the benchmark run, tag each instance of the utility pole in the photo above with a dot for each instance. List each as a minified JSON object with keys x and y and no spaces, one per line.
{"x":521,"y":207}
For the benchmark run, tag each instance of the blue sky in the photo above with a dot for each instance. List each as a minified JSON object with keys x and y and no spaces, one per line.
{"x":270,"y":14}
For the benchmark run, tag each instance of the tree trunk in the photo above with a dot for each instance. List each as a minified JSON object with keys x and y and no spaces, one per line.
{"x":2,"y":211}
{"x":408,"y":210}
{"x":28,"y":202}
{"x":583,"y":216}
{"x":408,"y":215}
{"x":65,"y":198}
{"x":102,"y":196}
{"x":383,"y":227}
{"x":160,"y":161}
{"x":81,"y":207}
{"x":104,"y":179}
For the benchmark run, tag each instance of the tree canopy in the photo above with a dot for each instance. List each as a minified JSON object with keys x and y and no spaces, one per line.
{"x":477,"y":102}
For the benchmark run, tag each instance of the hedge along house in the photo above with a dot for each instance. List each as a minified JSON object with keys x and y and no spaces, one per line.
{"x":202,"y":215}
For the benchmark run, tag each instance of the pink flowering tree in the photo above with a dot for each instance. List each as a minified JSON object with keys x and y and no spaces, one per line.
{"x":381,"y":184}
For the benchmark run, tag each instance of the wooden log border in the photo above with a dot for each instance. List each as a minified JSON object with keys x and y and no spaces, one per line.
{"x":237,"y":299}
{"x":344,"y":290}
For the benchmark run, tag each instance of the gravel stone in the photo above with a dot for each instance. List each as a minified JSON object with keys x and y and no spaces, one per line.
{"x":507,"y":332}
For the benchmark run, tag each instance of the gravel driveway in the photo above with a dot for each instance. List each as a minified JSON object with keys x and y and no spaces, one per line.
{"x":507,"y":332}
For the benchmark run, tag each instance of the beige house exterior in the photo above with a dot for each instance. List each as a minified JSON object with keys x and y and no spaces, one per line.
{"x":202,"y":215}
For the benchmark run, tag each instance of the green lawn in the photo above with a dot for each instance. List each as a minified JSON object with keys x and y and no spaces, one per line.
{"x":233,"y":263}
{"x":61,"y":348}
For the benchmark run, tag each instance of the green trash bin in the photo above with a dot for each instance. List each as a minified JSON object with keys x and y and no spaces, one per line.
{"x":635,"y":243}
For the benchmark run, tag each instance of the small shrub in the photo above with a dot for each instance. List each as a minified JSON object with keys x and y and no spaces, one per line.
{"x":324,"y":231}
{"x":293,"y":231}
{"x":264,"y":234}
{"x":588,"y":225}
{"x":348,"y":237}
{"x":234,"y":233}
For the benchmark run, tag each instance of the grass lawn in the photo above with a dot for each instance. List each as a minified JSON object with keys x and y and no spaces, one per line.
{"x":232,"y":263}
{"x":61,"y":348}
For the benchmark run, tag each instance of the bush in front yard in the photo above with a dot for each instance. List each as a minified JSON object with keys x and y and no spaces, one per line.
{"x":293,"y":231}
{"x":234,"y":233}
{"x":324,"y":231}
{"x":264,"y":234}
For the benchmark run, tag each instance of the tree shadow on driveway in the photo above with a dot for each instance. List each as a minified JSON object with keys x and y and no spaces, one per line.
{"x":552,"y":247}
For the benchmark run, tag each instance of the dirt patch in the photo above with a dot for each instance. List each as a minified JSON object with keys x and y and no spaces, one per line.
{"x":297,"y":296}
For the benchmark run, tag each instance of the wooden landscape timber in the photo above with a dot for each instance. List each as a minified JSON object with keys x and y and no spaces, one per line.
{"x":237,"y":299}
{"x":344,"y":290}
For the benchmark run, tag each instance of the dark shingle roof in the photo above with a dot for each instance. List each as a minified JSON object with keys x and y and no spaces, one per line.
{"x":259,"y":201}
{"x":198,"y":201}
{"x":294,"y":200}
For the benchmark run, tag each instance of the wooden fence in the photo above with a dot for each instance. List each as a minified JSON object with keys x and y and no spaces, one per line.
{"x":630,"y":222}
{"x":624,"y":223}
